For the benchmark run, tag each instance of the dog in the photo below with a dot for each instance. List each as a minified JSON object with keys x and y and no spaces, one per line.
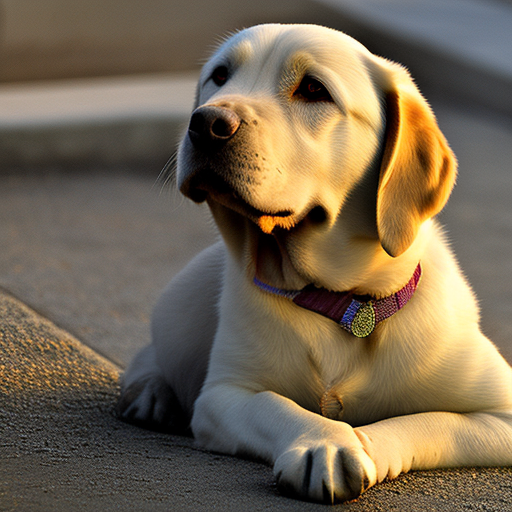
{"x":330,"y":332}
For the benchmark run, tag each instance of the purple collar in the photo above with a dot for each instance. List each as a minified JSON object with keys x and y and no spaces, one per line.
{"x":357,"y":314}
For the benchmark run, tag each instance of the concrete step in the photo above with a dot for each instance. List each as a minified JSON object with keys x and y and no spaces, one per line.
{"x":93,"y":121}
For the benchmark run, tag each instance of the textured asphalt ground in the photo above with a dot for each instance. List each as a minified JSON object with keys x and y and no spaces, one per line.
{"x":62,"y":448}
{"x":92,"y":251}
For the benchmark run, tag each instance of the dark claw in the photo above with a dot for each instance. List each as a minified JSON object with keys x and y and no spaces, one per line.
{"x":327,"y":495}
{"x":307,"y":474}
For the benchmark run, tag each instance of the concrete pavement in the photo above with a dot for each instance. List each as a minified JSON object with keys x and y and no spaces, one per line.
{"x":92,"y":251}
{"x":457,"y":50}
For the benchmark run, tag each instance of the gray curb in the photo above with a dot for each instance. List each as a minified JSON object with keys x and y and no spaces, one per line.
{"x":108,"y":121}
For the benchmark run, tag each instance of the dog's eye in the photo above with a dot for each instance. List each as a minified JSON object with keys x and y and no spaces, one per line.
{"x":220,"y":75}
{"x":312,"y":89}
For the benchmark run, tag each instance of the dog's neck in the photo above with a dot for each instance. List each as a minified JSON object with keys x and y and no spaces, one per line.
{"x":359,"y":315}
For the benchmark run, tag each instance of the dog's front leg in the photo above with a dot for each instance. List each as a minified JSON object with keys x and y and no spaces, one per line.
{"x":314,"y":458}
{"x":439,"y":439}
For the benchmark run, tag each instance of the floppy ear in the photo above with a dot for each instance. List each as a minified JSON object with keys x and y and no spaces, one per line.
{"x":418,"y":169}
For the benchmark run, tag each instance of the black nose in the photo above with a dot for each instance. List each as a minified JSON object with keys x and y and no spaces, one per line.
{"x":212,"y":125}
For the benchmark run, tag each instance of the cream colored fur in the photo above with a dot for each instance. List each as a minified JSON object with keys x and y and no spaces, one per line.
{"x":427,"y":389}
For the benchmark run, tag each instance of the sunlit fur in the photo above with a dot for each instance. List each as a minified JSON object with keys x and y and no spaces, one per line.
{"x":427,"y":389}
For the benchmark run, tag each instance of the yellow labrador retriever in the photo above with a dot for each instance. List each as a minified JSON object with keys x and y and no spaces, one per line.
{"x":331,"y":331}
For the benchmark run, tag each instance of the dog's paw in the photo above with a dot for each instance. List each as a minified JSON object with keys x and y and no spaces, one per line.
{"x":152,"y":404}
{"x":325,"y":471}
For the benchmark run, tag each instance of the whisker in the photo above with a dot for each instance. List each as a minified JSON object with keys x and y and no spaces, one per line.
{"x":167,"y":176}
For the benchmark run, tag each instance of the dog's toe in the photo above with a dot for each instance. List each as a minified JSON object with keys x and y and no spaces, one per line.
{"x":324,"y":473}
{"x":152,"y":404}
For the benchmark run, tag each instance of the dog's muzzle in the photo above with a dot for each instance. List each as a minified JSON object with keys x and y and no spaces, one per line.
{"x":210,"y":131}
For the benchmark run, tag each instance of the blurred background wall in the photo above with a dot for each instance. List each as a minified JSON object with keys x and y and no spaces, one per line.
{"x":448,"y":45}
{"x":49,"y":39}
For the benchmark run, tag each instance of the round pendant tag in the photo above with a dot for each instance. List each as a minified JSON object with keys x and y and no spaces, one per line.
{"x":364,"y":321}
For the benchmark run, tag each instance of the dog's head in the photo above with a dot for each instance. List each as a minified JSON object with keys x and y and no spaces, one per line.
{"x":315,"y":156}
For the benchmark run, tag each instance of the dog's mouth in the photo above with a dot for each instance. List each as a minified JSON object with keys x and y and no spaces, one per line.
{"x":217,"y":189}
{"x":270,"y":223}
{"x":267,"y":221}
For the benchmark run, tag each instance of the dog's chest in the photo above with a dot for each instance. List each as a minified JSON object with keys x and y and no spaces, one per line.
{"x":342,"y":377}
{"x":323,"y":371}
{"x":274,"y":345}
